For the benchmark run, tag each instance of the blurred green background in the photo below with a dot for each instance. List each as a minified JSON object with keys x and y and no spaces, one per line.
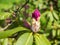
{"x":12,"y":12}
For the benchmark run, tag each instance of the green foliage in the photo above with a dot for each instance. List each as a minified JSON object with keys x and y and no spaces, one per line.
{"x":5,"y":41}
{"x":13,"y":31}
{"x":10,"y":32}
{"x":25,"y":39}
{"x":40,"y":39}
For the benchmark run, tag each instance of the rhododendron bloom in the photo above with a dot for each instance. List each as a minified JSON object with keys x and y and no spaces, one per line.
{"x":36,"y":14}
{"x":35,"y":21}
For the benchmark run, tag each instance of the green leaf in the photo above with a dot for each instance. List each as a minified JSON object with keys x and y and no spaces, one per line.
{"x":43,"y":20}
{"x":54,"y":33}
{"x":5,"y":42}
{"x":7,"y":3}
{"x":40,"y":39}
{"x":59,"y":3}
{"x":58,"y":32}
{"x":50,"y":16}
{"x":7,"y":33}
{"x":25,"y":39}
{"x":45,"y":13}
{"x":55,"y":15}
{"x":4,"y":15}
{"x":49,"y":25}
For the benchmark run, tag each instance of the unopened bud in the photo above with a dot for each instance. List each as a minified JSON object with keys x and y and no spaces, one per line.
{"x":51,"y":6}
{"x":35,"y":21}
{"x":26,"y":24}
{"x":26,"y":6}
{"x":36,"y":14}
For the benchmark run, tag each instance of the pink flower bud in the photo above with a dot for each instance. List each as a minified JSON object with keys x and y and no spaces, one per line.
{"x":26,"y":24}
{"x":36,"y":14}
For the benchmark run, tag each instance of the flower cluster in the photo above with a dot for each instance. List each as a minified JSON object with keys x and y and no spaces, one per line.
{"x":35,"y":21}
